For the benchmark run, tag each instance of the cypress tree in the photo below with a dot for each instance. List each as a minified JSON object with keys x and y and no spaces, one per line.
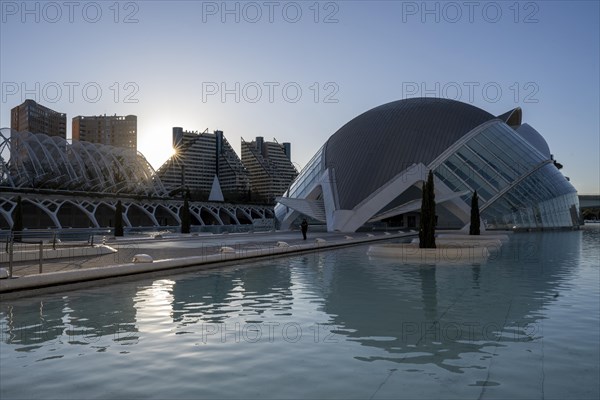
{"x":431,"y":195}
{"x":17,"y":216}
{"x":427,"y":223}
{"x":184,"y":214}
{"x":423,"y":215}
{"x":119,"y":219}
{"x":474,"y":229}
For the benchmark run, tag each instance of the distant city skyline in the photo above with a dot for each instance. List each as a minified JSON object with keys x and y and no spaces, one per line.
{"x":299,"y":71}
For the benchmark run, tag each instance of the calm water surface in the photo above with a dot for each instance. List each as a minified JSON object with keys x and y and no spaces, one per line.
{"x":326,"y":325}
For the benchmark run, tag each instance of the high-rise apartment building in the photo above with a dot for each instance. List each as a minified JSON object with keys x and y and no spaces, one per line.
{"x":35,"y":118}
{"x":270,"y":167}
{"x":198,"y":159}
{"x":118,"y":131}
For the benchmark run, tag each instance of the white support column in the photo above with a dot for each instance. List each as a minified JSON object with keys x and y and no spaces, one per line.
{"x":328,"y":188}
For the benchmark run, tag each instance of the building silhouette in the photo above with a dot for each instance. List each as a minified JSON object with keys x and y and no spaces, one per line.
{"x":205,"y":164}
{"x":35,"y":118}
{"x":270,"y":167}
{"x":117,"y":131}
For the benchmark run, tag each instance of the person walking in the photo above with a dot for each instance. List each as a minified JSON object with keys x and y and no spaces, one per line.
{"x":304,"y":228}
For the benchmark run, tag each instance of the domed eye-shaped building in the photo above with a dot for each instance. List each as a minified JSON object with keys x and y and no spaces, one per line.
{"x":373,"y":167}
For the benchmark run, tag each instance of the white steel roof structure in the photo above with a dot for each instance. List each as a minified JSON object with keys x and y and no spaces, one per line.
{"x":38,"y":161}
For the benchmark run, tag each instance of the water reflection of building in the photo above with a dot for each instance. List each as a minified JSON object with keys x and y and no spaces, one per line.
{"x":201,"y":298}
{"x":31,"y":323}
{"x":97,"y":314}
{"x":84,"y":319}
{"x":269,"y":292}
{"x":212,"y":297}
{"x":427,"y":314}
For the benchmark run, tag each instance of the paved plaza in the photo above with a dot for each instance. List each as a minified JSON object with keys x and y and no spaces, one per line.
{"x":171,"y":246}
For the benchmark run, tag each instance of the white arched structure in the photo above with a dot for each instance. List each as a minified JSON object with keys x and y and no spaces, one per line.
{"x":99,"y":213}
{"x":38,"y":161}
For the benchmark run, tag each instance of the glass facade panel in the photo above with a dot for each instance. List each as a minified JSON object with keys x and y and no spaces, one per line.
{"x":542,"y":200}
{"x":513,"y":168}
{"x":494,"y":159}
{"x":307,"y":176}
{"x":476,"y":181}
{"x":483,"y":169}
{"x":304,"y":183}
{"x":496,"y":165}
{"x":450,"y":179}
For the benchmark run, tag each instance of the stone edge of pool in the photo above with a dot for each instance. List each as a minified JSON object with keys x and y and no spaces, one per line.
{"x":60,"y":278}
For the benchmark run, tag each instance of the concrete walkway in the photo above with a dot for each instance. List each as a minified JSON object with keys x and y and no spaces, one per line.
{"x":177,"y":251}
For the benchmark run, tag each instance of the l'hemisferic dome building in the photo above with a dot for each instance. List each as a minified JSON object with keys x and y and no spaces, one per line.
{"x":373,"y":167}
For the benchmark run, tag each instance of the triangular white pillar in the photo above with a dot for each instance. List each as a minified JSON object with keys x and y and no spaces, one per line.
{"x":215,"y":192}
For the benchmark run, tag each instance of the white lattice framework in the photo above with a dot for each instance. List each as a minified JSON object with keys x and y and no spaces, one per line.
{"x":39,"y":161}
{"x":205,"y":213}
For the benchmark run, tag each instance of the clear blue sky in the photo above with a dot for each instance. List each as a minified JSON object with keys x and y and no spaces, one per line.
{"x":183,"y":63}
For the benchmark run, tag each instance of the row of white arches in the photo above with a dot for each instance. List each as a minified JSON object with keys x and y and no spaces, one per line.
{"x":57,"y":213}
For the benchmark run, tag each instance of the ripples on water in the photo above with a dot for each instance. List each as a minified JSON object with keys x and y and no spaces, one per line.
{"x":323,"y":325}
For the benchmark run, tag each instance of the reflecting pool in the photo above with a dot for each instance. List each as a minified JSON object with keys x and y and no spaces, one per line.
{"x":334,"y":324}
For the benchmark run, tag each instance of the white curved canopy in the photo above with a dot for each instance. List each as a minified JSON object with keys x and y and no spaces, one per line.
{"x":39,"y":161}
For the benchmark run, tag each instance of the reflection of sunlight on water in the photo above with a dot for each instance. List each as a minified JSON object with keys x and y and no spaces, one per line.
{"x":153,"y":306}
{"x":350,"y":326}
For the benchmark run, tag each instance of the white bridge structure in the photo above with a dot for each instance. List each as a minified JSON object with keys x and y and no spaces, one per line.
{"x":78,"y":185}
